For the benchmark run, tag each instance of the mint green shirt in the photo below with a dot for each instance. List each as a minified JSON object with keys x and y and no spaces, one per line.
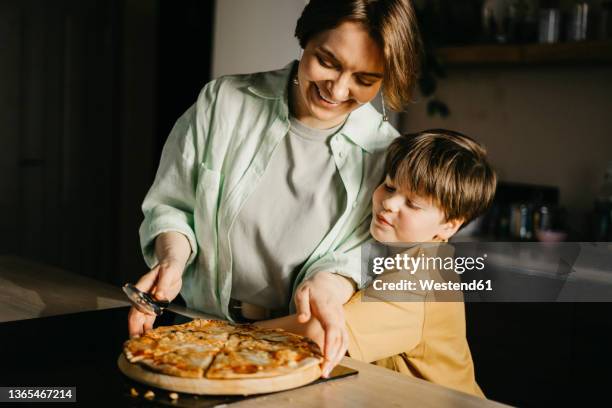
{"x":214,"y":157}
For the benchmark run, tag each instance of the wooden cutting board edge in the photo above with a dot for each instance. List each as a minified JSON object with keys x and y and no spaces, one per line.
{"x":204,"y":386}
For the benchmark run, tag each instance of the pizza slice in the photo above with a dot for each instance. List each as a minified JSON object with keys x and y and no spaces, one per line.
{"x":244,"y":356}
{"x":190,"y":361}
{"x":166,"y":339}
{"x":146,"y":347}
{"x":276,"y":339}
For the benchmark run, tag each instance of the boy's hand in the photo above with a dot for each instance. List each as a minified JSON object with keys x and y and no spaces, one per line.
{"x":322,"y":297}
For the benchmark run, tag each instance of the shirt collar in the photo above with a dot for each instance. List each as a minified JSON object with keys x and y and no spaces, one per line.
{"x":272,"y":84}
{"x":364,"y":126}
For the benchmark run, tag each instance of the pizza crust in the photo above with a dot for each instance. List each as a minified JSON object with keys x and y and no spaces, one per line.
{"x":205,"y":386}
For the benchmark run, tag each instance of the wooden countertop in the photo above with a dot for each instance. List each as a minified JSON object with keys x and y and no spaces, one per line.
{"x":29,"y":289}
{"x":373,"y":387}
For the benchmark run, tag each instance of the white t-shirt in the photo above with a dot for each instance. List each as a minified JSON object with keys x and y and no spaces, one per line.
{"x":298,"y":200}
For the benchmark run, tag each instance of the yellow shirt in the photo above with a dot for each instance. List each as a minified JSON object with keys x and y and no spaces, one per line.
{"x":424,"y":337}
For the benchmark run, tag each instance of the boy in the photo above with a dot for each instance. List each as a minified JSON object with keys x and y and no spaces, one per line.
{"x":436,"y":181}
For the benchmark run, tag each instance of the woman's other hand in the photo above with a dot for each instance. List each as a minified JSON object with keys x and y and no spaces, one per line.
{"x":322,"y":297}
{"x":164,"y":281}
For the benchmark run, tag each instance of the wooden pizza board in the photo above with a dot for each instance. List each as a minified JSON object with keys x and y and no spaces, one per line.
{"x":201,"y":386}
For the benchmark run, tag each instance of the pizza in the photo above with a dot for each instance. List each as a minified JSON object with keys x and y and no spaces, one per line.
{"x":219,"y":350}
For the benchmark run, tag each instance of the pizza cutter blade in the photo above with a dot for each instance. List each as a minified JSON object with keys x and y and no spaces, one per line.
{"x":144,"y":302}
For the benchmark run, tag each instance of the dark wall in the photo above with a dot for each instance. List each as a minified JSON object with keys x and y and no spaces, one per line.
{"x":60,"y":135}
{"x":184,"y":58}
{"x":89,"y":90}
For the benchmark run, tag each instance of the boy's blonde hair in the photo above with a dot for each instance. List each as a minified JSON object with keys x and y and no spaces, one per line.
{"x":448,"y":167}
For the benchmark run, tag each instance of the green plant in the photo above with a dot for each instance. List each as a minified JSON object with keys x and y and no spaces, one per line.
{"x":434,"y":22}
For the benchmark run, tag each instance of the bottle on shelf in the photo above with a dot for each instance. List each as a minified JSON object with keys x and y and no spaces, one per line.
{"x":494,"y":21}
{"x":578,"y":24}
{"x":549,"y":27}
{"x":603,"y":208}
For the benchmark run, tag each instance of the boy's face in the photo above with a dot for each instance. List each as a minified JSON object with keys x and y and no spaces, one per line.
{"x":401,"y":216}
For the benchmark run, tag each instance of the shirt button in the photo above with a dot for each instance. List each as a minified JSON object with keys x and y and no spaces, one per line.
{"x":341,"y":154}
{"x":355,"y":204}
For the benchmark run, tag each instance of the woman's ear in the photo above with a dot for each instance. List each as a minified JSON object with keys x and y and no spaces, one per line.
{"x":448,"y":229}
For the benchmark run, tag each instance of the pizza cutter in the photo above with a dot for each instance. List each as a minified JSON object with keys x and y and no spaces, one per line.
{"x":144,"y":302}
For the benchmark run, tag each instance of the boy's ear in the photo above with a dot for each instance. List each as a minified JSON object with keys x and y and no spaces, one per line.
{"x":448,"y":229}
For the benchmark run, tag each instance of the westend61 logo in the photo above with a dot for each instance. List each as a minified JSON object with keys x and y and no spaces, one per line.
{"x":413,"y":264}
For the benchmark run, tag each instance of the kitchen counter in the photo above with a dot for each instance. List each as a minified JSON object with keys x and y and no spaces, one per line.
{"x":30,"y":289}
{"x":81,"y":349}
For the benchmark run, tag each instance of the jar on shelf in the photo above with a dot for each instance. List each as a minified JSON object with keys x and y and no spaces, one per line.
{"x":494,"y":20}
{"x":603,"y":208}
{"x":549,"y":26}
{"x":578,"y":21}
{"x":604,"y":21}
{"x":522,"y":21}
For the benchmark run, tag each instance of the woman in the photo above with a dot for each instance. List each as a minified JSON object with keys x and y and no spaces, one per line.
{"x":264,"y":184}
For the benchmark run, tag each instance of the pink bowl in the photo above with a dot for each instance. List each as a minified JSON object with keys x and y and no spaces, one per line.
{"x":551,"y":236}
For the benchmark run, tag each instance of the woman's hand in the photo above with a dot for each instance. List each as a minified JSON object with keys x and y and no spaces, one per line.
{"x":164,"y":281}
{"x":322,"y":297}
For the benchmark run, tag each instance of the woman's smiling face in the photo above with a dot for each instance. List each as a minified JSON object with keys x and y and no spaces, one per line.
{"x":340,"y":70}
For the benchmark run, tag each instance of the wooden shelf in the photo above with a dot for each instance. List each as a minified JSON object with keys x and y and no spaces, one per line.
{"x":588,"y":52}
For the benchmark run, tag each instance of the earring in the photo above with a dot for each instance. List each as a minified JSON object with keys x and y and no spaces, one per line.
{"x":295,"y":80}
{"x":385,"y":118}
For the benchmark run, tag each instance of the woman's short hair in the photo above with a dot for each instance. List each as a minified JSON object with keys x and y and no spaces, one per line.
{"x":391,"y":23}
